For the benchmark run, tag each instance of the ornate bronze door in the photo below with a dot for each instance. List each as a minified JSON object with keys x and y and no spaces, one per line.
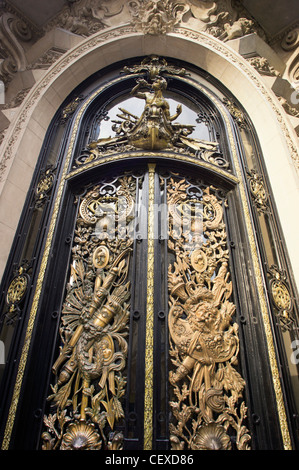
{"x":149,"y":355}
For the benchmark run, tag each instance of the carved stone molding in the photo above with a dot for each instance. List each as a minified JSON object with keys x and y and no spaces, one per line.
{"x":46,"y":59}
{"x":291,"y":110}
{"x":86,"y":17}
{"x":17,"y":100}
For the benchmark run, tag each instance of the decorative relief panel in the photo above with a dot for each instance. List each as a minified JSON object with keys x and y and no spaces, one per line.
{"x":258,"y":191}
{"x":208,"y":407}
{"x":16,"y":292}
{"x":86,"y":399}
{"x":70,"y":108}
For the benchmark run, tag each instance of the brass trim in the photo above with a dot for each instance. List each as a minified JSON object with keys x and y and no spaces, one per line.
{"x":149,"y":329}
{"x":252,"y":241}
{"x":147,"y":154}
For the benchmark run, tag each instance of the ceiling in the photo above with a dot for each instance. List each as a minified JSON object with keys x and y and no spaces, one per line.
{"x":274,"y":16}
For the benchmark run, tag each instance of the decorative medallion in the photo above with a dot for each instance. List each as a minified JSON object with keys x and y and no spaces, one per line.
{"x":44,"y":186}
{"x":17,"y":289}
{"x":281,"y":297}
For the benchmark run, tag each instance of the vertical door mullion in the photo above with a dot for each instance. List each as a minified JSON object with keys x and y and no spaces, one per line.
{"x":135,"y":379}
{"x":161,"y":421}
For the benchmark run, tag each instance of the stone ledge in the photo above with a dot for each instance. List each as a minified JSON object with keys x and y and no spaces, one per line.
{"x":252,"y":45}
{"x":56,"y":39}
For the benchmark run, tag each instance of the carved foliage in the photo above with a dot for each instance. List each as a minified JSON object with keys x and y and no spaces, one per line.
{"x":207,"y":388}
{"x":86,"y":17}
{"x":258,"y":191}
{"x":156,"y":128}
{"x":157,"y":16}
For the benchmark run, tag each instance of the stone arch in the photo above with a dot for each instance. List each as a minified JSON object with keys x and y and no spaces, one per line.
{"x":24,"y":138}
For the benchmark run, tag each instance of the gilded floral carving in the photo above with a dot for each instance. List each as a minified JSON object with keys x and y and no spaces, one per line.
{"x":207,"y":387}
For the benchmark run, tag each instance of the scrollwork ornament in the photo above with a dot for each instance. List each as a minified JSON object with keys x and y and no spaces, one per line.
{"x":70,"y":108}
{"x":89,"y":381}
{"x":235,"y":112}
{"x":258,"y":191}
{"x":281,"y":297}
{"x":290,"y":40}
{"x":44,"y":186}
{"x":16,"y":292}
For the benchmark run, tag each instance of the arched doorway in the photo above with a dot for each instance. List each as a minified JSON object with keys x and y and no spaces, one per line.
{"x":155,"y":224}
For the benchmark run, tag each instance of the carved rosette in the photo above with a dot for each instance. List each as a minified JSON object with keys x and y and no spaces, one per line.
{"x":86,"y":399}
{"x":207,"y":389}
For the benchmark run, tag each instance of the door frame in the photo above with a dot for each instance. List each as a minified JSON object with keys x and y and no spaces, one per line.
{"x":69,"y":177}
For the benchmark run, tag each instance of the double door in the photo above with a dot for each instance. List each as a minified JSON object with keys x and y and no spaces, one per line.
{"x":149,"y":343}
